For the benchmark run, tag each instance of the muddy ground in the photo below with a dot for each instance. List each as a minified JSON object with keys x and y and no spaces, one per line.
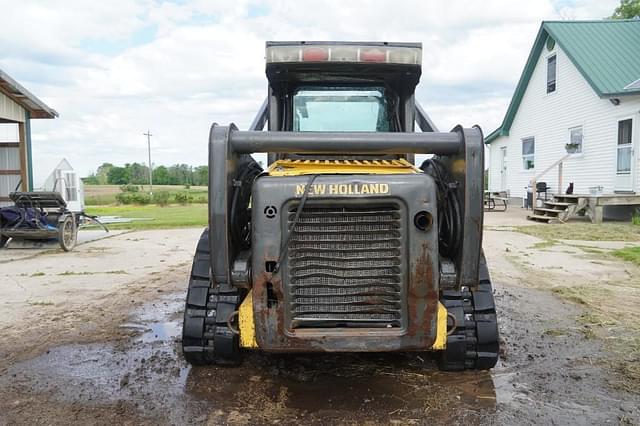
{"x":103,"y":348}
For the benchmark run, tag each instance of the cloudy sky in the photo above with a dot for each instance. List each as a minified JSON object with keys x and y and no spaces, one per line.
{"x":114,"y":69}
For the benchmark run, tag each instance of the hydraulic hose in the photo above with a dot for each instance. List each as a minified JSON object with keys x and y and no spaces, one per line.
{"x":449,"y":211}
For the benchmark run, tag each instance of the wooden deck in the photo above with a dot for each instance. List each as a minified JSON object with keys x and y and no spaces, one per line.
{"x":564,"y":206}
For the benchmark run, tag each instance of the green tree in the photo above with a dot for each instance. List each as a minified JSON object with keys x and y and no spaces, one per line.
{"x":180,"y":174}
{"x":628,"y":9}
{"x":138,"y":173}
{"x":118,"y":176}
{"x":92,"y":179}
{"x":103,"y":172}
{"x":161,"y":176}
{"x":201,"y":176}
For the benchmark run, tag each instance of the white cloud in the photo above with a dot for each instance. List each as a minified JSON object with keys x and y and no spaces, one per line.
{"x":115,"y":69}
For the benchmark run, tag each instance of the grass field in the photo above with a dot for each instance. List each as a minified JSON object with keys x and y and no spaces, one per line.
{"x":608,"y":231}
{"x":173,"y":216}
{"x":100,"y":195}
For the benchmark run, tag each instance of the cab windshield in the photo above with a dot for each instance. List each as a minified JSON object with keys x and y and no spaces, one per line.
{"x":341,"y":109}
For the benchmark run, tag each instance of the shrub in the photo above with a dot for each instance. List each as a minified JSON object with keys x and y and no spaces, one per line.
{"x":161,"y":198}
{"x":123,"y":198}
{"x":183,"y":198}
{"x":635,"y":219}
{"x":129,"y":188}
{"x":141,"y":198}
{"x":187,"y":186}
{"x":133,"y":198}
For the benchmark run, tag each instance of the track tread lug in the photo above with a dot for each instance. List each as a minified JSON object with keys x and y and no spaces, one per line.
{"x":475,"y":343}
{"x":206,"y":337}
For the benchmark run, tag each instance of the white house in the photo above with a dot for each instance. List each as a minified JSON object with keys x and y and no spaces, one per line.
{"x":580,"y":87}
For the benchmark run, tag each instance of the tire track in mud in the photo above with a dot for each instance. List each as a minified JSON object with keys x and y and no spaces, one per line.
{"x":542,"y":379}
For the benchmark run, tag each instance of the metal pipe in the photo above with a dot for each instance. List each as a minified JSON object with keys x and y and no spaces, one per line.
{"x":424,"y":121}
{"x":247,"y":142}
{"x":261,"y":117}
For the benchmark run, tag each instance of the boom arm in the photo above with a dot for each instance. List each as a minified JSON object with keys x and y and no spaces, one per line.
{"x":461,"y":150}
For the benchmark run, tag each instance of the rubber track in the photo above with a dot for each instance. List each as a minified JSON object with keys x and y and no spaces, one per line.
{"x":474,"y":345}
{"x":206,"y":336}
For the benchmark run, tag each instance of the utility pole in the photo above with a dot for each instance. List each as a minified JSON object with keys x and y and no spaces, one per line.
{"x":148,"y":135}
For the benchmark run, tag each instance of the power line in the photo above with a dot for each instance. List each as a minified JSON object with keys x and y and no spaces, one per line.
{"x":148,"y":135}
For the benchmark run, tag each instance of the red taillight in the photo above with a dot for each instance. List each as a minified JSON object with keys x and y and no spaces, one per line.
{"x":315,"y":54}
{"x":373,"y":55}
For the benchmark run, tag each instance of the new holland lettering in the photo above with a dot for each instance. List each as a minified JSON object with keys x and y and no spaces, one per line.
{"x":344,"y":189}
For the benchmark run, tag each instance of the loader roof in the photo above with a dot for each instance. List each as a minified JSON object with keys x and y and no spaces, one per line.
{"x":296,"y":62}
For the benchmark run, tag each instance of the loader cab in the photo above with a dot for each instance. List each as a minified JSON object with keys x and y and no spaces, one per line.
{"x":345,"y":86}
{"x":325,"y":85}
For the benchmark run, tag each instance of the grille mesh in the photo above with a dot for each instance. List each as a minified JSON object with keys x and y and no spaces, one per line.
{"x":344,"y":267}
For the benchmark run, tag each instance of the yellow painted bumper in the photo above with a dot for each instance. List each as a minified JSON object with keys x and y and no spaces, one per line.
{"x":246,"y":325}
{"x":248,"y":329}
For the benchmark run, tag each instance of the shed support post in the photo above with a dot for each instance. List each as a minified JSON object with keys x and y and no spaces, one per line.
{"x":22,"y":141}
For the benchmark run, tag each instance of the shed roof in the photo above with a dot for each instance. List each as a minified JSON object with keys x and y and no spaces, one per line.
{"x":606,"y":52}
{"x":24,"y":98}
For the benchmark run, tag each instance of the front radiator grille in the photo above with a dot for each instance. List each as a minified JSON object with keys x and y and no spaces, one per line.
{"x":345,"y":267}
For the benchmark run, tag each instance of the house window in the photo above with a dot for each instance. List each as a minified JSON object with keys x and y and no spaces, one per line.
{"x":551,"y":74}
{"x":528,"y":152}
{"x":575,"y":141}
{"x":625,"y":146}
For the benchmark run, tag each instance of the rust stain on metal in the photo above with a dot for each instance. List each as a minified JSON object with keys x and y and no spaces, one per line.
{"x":273,"y":332}
{"x":423,"y":298}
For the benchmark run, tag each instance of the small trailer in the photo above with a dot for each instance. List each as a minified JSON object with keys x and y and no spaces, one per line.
{"x":41,"y":216}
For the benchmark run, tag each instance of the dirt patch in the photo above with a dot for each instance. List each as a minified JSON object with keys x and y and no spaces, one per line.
{"x":81,"y":296}
{"x":126,"y":366}
{"x":607,"y":289}
{"x":541,"y":377}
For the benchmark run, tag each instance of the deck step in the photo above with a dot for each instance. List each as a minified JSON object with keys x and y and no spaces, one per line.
{"x":571,"y":196}
{"x":540,"y":218}
{"x":542,"y":209}
{"x":558,"y":203}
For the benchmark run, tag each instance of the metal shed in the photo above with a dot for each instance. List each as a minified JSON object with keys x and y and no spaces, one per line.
{"x":17,"y":107}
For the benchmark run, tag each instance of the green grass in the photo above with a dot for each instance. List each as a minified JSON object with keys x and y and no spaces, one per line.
{"x":583,"y":231}
{"x":586,"y":294}
{"x":630,"y":254}
{"x":70,"y":273}
{"x":174,"y":216}
{"x":544,"y":244}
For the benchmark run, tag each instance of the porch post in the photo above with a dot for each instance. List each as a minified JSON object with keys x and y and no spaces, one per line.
{"x":560,"y":191}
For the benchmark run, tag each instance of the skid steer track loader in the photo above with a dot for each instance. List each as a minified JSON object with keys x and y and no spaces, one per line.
{"x":342,"y":244}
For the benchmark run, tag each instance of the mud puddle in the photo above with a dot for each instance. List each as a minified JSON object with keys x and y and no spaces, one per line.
{"x":541,"y":379}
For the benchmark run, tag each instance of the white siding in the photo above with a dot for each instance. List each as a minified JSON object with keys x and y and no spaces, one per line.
{"x":548,"y":118}
{"x":8,"y":184}
{"x":10,"y":110}
{"x":495,"y":164}
{"x":9,"y":160}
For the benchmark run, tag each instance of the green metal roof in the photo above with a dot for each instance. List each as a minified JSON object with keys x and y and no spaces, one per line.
{"x":606,"y":52}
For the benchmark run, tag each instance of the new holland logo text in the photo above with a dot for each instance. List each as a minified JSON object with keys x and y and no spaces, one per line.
{"x":344,"y":189}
